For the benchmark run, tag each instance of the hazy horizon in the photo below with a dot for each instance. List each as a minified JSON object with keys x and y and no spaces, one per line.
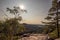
{"x":37,"y":9}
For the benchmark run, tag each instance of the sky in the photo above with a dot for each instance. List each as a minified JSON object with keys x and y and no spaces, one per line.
{"x":37,"y":10}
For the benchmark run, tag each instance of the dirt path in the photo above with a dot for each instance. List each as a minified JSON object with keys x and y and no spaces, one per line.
{"x":35,"y":37}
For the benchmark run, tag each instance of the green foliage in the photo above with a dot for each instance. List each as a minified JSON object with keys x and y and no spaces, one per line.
{"x":53,"y":34}
{"x":10,"y":27}
{"x":53,"y":18}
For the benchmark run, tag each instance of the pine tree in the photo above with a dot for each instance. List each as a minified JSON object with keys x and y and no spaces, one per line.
{"x":53,"y":18}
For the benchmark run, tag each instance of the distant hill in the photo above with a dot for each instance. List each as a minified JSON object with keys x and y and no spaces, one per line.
{"x":36,"y":28}
{"x":32,"y":28}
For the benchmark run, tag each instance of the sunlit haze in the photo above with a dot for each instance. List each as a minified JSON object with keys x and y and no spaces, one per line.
{"x":37,"y":10}
{"x":22,"y":6}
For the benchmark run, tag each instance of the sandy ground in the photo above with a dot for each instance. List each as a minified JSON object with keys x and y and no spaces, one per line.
{"x":35,"y":37}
